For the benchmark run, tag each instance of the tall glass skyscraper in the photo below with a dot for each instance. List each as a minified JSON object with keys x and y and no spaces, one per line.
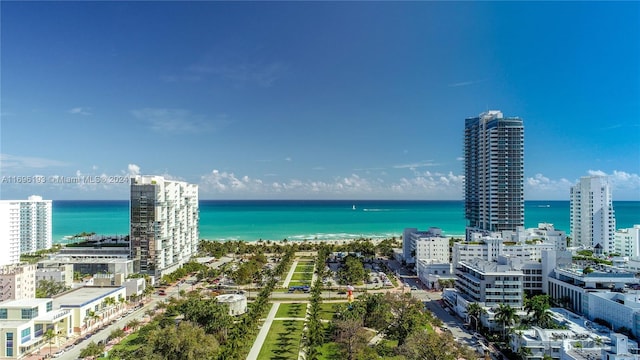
{"x":494,"y":172}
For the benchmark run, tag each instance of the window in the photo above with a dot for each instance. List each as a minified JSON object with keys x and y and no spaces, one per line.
{"x":49,"y":306}
{"x":28,"y":314}
{"x":37,"y":330}
{"x":3,"y":313}
{"x":25,"y":335}
{"x":9,"y":344}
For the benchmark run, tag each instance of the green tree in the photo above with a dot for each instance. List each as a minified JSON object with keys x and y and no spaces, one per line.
{"x":524,"y":352}
{"x":475,"y":311}
{"x":116,"y":333}
{"x":352,"y":272}
{"x":378,"y":311}
{"x":351,"y":336}
{"x":49,"y":336}
{"x":537,"y":308}
{"x":211,"y":315}
{"x":409,"y":317}
{"x":49,"y":288}
{"x":506,"y":316}
{"x":423,"y":345}
{"x":183,"y":342}
{"x":92,"y":349}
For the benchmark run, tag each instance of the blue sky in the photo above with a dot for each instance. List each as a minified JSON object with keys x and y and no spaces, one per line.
{"x":353,"y":100}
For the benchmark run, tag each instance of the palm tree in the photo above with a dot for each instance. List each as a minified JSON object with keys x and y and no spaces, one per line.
{"x":110,"y":302}
{"x":524,"y":352}
{"x":49,"y":335}
{"x":505,"y":315}
{"x":474,"y":310}
{"x":133,"y":324}
{"x":538,"y":308}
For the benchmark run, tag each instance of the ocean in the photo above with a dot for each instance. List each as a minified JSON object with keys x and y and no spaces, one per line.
{"x":312,"y":219}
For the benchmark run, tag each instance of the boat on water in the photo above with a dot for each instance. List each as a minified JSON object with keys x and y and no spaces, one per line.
{"x":354,"y":207}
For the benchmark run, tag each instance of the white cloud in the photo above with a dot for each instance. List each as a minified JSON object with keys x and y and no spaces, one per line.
{"x":172,"y":120}
{"x":414,"y":166}
{"x":80,"y":111}
{"x":433,"y":186}
{"x":624,"y":186}
{"x":13,"y":162}
{"x":133,"y":170}
{"x":466,"y":83}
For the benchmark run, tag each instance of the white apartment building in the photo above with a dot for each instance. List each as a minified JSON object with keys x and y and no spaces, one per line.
{"x":593,"y":221}
{"x":487,"y":248}
{"x":618,"y":309}
{"x":17,"y":282}
{"x":627,"y":241}
{"x":579,"y":341}
{"x":431,"y":272}
{"x":25,"y":224}
{"x":570,"y":285}
{"x":490,"y":283}
{"x":432,"y":245}
{"x":164,"y":223}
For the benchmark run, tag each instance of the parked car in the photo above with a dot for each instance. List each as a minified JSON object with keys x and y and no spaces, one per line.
{"x":58,"y":353}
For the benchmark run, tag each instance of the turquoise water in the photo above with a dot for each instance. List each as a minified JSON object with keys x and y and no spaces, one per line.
{"x":298,"y":220}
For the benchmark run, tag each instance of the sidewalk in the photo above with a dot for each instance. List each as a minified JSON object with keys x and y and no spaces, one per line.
{"x":287,"y":280}
{"x":264,"y":330}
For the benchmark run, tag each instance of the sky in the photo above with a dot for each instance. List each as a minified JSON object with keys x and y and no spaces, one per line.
{"x":312,"y":100}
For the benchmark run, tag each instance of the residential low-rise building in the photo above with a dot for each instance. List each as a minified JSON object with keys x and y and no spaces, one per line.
{"x":60,"y":274}
{"x":569,"y":284}
{"x":433,"y":273}
{"x":17,"y":282}
{"x":579,"y":339}
{"x":90,"y":305}
{"x":24,"y":322}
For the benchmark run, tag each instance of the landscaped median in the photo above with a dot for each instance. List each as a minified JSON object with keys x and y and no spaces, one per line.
{"x":283,"y":340}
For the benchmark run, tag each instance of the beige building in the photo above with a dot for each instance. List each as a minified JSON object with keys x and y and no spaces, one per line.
{"x":89,"y":306}
{"x":17,"y":282}
{"x":24,"y":322}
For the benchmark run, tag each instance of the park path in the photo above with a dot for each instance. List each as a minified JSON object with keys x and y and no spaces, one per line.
{"x":287,"y":280}
{"x":262,"y":335}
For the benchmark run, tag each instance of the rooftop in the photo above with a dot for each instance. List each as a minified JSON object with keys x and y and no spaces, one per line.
{"x":24,"y":303}
{"x":84,"y":295}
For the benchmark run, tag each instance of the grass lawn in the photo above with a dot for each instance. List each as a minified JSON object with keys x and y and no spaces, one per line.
{"x":330,"y":351}
{"x":301,"y":276}
{"x":299,"y":282}
{"x":327,"y":310}
{"x":129,"y":343}
{"x":283,"y":341}
{"x":293,"y":310}
{"x":304,"y":267}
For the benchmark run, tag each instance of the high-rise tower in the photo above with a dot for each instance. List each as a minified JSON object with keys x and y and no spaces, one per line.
{"x":164,"y":223}
{"x":25,"y":227}
{"x":494,"y":172}
{"x":593,"y":222}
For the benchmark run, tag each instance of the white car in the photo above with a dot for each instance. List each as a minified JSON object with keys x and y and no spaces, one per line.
{"x":58,"y":353}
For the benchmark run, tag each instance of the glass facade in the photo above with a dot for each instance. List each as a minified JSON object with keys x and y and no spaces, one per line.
{"x":494,"y":172}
